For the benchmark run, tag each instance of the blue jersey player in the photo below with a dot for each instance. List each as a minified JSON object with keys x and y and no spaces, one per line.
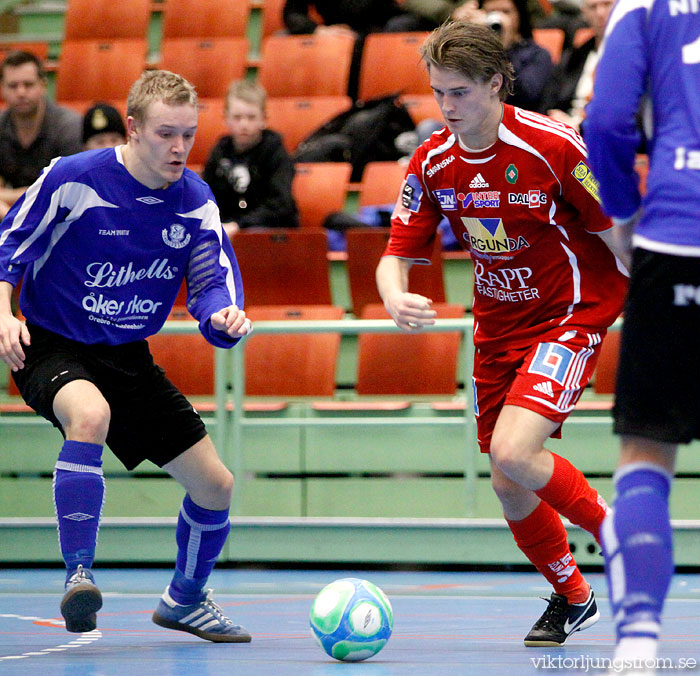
{"x":651,"y":59}
{"x":102,"y":242}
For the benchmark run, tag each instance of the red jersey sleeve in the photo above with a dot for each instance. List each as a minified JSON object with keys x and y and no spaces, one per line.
{"x":415,"y":218}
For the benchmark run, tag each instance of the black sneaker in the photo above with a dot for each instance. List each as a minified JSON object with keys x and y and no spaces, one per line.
{"x":561,"y":619}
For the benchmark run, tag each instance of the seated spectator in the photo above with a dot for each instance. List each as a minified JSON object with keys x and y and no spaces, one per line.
{"x":356,"y":17}
{"x":571,"y":85}
{"x":249,"y":171}
{"x":532,"y":63}
{"x":33,"y":130}
{"x":103,"y":127}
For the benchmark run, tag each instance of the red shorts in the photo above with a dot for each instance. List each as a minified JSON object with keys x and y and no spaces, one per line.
{"x":547,"y":378}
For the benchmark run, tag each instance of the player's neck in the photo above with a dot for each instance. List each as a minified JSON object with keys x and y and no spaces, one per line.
{"x":486,"y":134}
{"x":139,"y":171}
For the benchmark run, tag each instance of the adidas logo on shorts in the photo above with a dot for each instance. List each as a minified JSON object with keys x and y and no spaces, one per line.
{"x":544,"y":387}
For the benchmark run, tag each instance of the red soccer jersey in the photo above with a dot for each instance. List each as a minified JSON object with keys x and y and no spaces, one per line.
{"x":526,"y":209}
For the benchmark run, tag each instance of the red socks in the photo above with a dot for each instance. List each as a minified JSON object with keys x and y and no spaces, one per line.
{"x":541,"y":536}
{"x":572,"y":496}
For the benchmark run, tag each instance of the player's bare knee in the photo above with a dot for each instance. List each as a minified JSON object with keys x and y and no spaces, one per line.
{"x":90,"y":423}
{"x":507,"y":454}
{"x":221,"y":486}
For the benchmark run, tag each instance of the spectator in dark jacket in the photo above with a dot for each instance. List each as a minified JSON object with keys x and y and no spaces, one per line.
{"x":249,"y":171}
{"x":571,"y":85}
{"x":532,"y":63}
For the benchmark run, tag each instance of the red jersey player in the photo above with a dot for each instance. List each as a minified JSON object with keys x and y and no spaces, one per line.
{"x":521,"y":199}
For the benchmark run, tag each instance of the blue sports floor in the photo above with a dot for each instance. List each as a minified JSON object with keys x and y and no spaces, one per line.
{"x":445,"y":623}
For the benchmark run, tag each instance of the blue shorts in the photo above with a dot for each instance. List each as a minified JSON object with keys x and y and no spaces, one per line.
{"x":150,"y":418}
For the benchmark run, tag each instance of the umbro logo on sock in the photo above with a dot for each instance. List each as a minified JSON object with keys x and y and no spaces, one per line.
{"x":79,"y":516}
{"x":478,"y":182}
{"x":544,"y":387}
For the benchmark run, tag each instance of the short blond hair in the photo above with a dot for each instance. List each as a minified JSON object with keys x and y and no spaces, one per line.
{"x":471,"y":49}
{"x":248,"y":91}
{"x":158,"y":85}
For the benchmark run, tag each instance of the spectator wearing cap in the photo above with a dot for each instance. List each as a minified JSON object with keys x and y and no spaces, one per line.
{"x":33,"y":130}
{"x":103,"y":127}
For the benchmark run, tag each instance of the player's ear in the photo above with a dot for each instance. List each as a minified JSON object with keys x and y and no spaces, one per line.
{"x":131,"y":127}
{"x":496,"y":83}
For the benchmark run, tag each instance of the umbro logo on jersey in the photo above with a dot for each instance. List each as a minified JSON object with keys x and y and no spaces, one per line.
{"x":544,"y":387}
{"x":478,"y":182}
{"x":149,"y":200}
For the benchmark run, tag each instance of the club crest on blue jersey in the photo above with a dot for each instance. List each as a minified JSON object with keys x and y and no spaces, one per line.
{"x":176,"y":237}
{"x":447,"y":198}
{"x":412,"y":193}
{"x":489,"y":236}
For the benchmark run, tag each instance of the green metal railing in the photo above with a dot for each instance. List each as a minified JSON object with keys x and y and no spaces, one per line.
{"x":229,"y":388}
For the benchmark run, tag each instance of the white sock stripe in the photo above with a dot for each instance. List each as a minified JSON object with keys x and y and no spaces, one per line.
{"x":193,"y":544}
{"x":635,"y":466}
{"x":641,"y":627}
{"x":75,"y":467}
{"x":202,"y":526}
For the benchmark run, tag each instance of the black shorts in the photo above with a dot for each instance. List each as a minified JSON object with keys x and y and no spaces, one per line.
{"x":150,"y":418}
{"x":658,"y":381}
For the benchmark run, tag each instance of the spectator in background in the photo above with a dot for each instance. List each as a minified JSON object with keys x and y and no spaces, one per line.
{"x":571,"y":85}
{"x":532,"y":63}
{"x":33,"y":130}
{"x":103,"y":127}
{"x":249,"y":170}
{"x":358,"y":18}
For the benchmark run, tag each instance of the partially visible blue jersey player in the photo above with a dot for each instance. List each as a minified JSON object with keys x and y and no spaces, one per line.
{"x":101,"y":244}
{"x":650,"y":62}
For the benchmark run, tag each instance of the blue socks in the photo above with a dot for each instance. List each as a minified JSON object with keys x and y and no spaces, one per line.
{"x":638,"y":547}
{"x":201,"y":534}
{"x":78,"y":489}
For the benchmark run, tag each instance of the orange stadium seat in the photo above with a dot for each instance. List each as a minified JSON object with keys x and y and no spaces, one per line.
{"x":606,"y":368}
{"x":391,"y":65}
{"x":187,"y":359}
{"x":300,"y":364}
{"x":213,"y":18}
{"x":37,"y":47}
{"x":211,"y":126}
{"x":421,"y":107}
{"x":296,"y":117}
{"x":107,"y":19}
{"x":381,"y":183}
{"x":552,"y":39}
{"x":582,"y":35}
{"x":99,"y":70}
{"x":401,"y":363}
{"x":319,"y":189}
{"x":283,"y":267}
{"x":210,"y":64}
{"x":272,"y":20}
{"x":365,"y":248}
{"x":306,"y":65}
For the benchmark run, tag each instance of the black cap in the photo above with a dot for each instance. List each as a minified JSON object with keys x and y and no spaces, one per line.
{"x":101,"y":119}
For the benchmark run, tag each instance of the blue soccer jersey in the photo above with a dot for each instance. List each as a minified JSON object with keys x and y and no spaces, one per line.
{"x":102,"y":257}
{"x":651,"y":47}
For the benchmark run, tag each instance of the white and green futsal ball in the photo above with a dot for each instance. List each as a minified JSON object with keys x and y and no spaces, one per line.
{"x":351,"y":619}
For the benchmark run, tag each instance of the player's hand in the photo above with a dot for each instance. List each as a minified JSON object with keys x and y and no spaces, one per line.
{"x":231,"y":321}
{"x":410,"y":311}
{"x":13,"y":333}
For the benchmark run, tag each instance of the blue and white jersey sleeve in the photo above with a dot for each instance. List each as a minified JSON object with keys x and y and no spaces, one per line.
{"x":650,"y":64}
{"x":213,"y":277}
{"x":612,"y":133}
